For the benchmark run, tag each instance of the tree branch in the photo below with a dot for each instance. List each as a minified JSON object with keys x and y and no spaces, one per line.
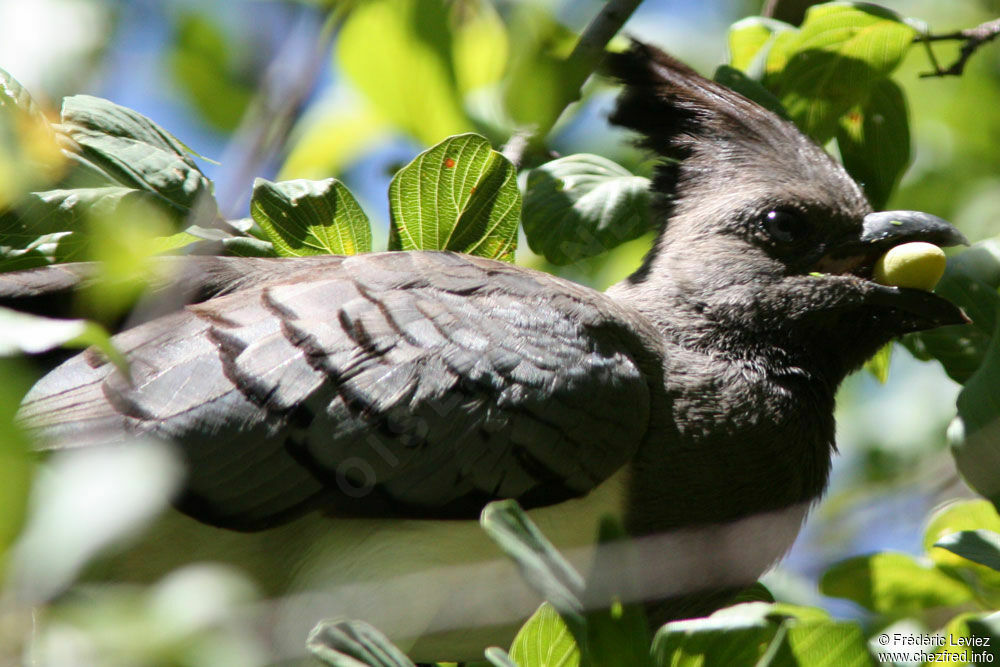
{"x":973,"y":38}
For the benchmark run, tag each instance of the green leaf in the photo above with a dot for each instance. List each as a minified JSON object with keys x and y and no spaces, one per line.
{"x":134,"y":151}
{"x":879,"y":364}
{"x":965,"y":627}
{"x":420,"y":97}
{"x":749,"y":40}
{"x":345,"y":643}
{"x":749,"y":88}
{"x":582,"y":205}
{"x":481,"y":49}
{"x":328,"y":142}
{"x":30,"y":156}
{"x":545,"y":641}
{"x":737,"y":635}
{"x":979,"y":546}
{"x":458,"y":195}
{"x":819,"y":644}
{"x":893,"y":584}
{"x":967,"y":515}
{"x":16,"y":460}
{"x":542,"y":566}
{"x":202,"y":63}
{"x":971,"y":280}
{"x":303,"y":217}
{"x":874,"y":142}
{"x":832,"y":63}
{"x":21,"y":333}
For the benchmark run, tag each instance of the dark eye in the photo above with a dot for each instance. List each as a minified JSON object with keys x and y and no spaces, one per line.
{"x":785,"y":226}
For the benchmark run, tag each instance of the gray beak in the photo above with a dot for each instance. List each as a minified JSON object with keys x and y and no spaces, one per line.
{"x":891,"y":228}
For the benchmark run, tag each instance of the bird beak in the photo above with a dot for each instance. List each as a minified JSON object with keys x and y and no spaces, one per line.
{"x":881,"y":231}
{"x":890,"y":228}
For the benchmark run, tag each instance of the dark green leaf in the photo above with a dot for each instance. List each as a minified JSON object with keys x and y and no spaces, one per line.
{"x":303,"y":217}
{"x":344,"y":643}
{"x":874,"y":142}
{"x":893,"y":584}
{"x":582,"y":205}
{"x":406,"y":72}
{"x":458,"y":195}
{"x":831,"y":64}
{"x":545,"y":641}
{"x":979,"y":546}
{"x":970,"y":280}
{"x":542,"y":566}
{"x":134,"y":151}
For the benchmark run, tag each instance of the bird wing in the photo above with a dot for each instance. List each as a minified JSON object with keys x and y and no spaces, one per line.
{"x":418,"y":383}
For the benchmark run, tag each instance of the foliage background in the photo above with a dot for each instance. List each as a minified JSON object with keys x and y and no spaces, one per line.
{"x":253,"y":86}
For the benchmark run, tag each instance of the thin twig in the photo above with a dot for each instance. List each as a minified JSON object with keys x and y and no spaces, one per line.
{"x":973,"y":38}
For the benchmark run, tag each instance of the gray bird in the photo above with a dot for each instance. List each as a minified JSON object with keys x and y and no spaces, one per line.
{"x":358,"y":412}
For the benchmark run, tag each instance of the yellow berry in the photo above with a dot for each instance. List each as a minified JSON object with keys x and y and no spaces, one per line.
{"x":918,"y":265}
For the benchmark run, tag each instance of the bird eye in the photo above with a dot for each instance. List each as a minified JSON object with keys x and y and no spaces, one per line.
{"x":785,"y":226}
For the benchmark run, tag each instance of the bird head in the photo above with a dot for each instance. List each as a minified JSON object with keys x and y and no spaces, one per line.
{"x":765,"y":240}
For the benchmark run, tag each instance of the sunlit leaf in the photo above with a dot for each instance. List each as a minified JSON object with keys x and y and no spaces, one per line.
{"x":545,"y":641}
{"x":879,"y":364}
{"x":874,"y":142}
{"x":398,"y":53}
{"x":311,"y":217}
{"x":582,"y":205}
{"x":16,"y":464}
{"x":326,"y":143}
{"x":458,"y":195}
{"x":736,"y":635}
{"x":749,"y":39}
{"x":830,"y":65}
{"x":893,"y":584}
{"x":979,"y":546}
{"x":480,"y":46}
{"x":22,"y":333}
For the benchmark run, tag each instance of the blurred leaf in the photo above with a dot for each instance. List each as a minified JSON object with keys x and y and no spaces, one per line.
{"x":202,"y":63}
{"x":749,"y":88}
{"x":134,"y":151}
{"x":421,"y":97}
{"x":749,"y":40}
{"x":979,"y":546}
{"x":545,"y":641}
{"x":22,"y":333}
{"x":971,"y":280}
{"x":540,"y":564}
{"x":617,"y":632}
{"x":757,"y":592}
{"x":498,"y":658}
{"x":311,"y":217}
{"x":458,"y":195}
{"x":582,"y":205}
{"x":83,"y":501}
{"x":965,"y":516}
{"x":16,"y":466}
{"x":831,"y":64}
{"x":874,"y":142}
{"x":30,"y":157}
{"x":328,"y":143}
{"x":539,"y":83}
{"x":893,"y":584}
{"x":345,"y":643}
{"x":481,"y":51}
{"x":879,"y":364}
{"x":823,"y":643}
